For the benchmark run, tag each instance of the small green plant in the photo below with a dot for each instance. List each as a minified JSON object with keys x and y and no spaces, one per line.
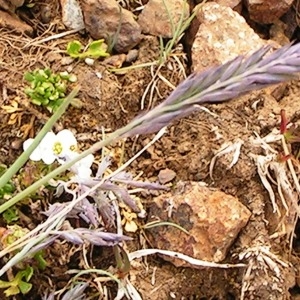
{"x":39,"y":258}
{"x":20,"y":283}
{"x":11,"y":215}
{"x":95,"y":50}
{"x":48,"y":89}
{"x":290,"y":134}
{"x":8,"y":188}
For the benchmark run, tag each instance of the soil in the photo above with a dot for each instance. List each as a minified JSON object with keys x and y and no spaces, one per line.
{"x":110,"y":101}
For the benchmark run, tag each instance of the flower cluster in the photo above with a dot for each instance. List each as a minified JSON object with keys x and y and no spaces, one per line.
{"x":63,"y":148}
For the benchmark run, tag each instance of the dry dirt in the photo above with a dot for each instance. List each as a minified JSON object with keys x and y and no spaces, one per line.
{"x":187,"y":148}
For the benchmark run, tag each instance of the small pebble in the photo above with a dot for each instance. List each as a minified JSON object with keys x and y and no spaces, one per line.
{"x":16,"y":144}
{"x":66,"y":61}
{"x":115,"y":61}
{"x":89,"y":61}
{"x":132,"y":55}
{"x":166,"y":176}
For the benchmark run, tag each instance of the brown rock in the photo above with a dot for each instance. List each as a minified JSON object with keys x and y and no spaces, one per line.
{"x":212,"y":218}
{"x":155,"y":18}
{"x":277,"y":33}
{"x":115,"y":61}
{"x":222,"y":35}
{"x":103,"y":19}
{"x":166,"y":175}
{"x":10,"y":5}
{"x":17,"y":3}
{"x":236,"y":5}
{"x":6,"y":5}
{"x":13,"y":23}
{"x":290,"y":19}
{"x":267,"y":11}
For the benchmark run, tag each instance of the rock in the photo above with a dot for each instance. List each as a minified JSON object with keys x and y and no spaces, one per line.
{"x":132,"y":55}
{"x":10,"y":5}
{"x":166,"y":176}
{"x":222,"y":35}
{"x":212,"y":218}
{"x":13,"y":23}
{"x":71,"y":14}
{"x":155,"y":18}
{"x":267,"y":11}
{"x":104,"y":18}
{"x":290,"y":19}
{"x":236,"y":5}
{"x":277,"y":33}
{"x":7,"y":5}
{"x":115,"y":61}
{"x":17,"y":3}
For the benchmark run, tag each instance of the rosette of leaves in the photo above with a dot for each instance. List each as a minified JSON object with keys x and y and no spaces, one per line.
{"x":48,"y":89}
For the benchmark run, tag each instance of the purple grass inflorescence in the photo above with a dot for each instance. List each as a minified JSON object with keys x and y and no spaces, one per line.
{"x":222,"y":83}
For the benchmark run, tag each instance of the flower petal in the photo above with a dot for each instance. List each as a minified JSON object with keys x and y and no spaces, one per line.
{"x":86,"y":161}
{"x":83,"y":172}
{"x":46,"y":148}
{"x":67,"y":140}
{"x":27,"y":143}
{"x":36,"y":155}
{"x":48,"y":141}
{"x":48,"y":157}
{"x":83,"y":167}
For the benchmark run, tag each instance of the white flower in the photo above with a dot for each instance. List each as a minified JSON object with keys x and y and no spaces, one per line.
{"x":82,"y":168}
{"x":53,"y":146}
{"x":61,"y":147}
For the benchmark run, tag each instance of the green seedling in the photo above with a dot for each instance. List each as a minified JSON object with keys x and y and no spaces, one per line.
{"x":11,"y":215}
{"x":48,"y":89}
{"x":20,"y":283}
{"x":6,"y":192}
{"x":41,"y":263}
{"x":94,"y":50}
{"x":13,"y":233}
{"x":291,"y":135}
{"x":123,"y":263}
